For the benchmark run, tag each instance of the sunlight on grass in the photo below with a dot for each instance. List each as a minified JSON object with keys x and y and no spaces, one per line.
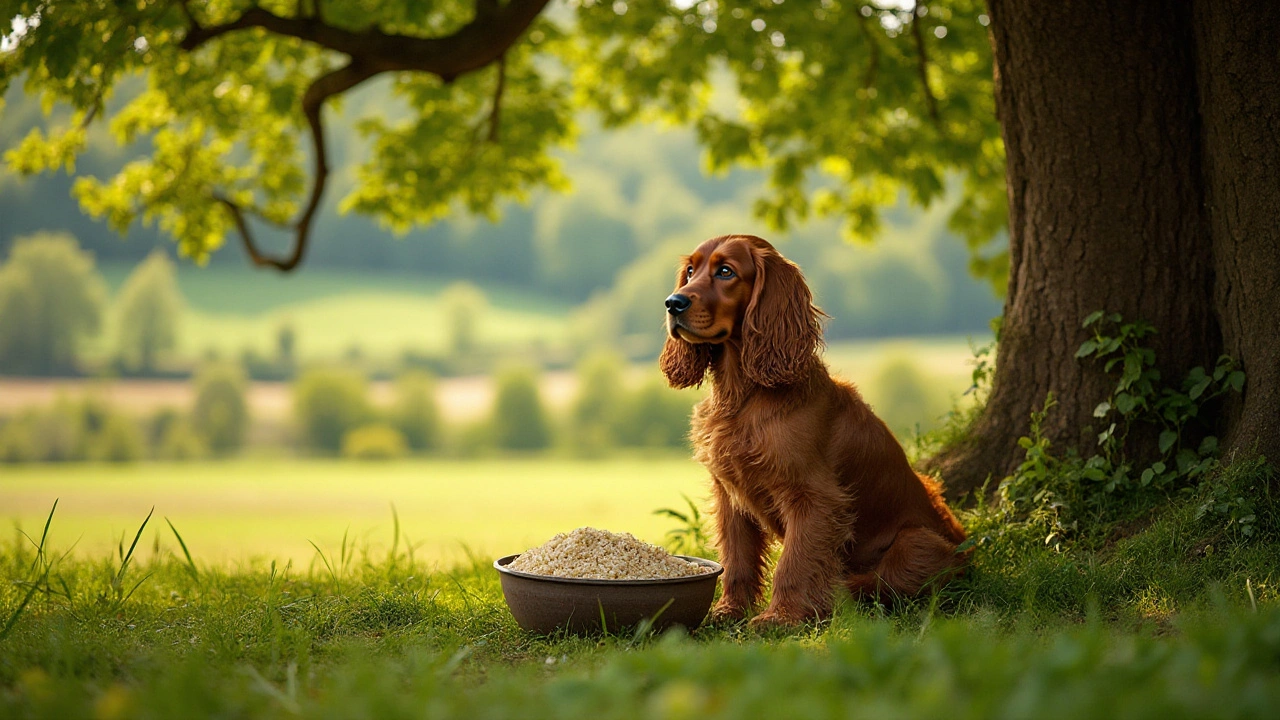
{"x":272,"y":510}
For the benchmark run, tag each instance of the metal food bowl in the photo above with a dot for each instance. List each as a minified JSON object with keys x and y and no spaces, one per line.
{"x":545,"y":604}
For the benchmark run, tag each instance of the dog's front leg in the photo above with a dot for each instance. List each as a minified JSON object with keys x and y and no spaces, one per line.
{"x":815,"y":526}
{"x":741,"y":542}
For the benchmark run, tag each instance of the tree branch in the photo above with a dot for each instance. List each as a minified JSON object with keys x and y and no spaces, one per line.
{"x":326,"y":86}
{"x":923,"y":65}
{"x":496,"y":113}
{"x":477,"y":44}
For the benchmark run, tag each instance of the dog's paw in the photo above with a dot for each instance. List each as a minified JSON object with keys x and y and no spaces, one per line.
{"x":728,"y":612}
{"x":775,"y":619}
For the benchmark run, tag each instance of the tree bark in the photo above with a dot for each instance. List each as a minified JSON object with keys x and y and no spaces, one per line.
{"x":1098,"y":108}
{"x":1238,"y":78}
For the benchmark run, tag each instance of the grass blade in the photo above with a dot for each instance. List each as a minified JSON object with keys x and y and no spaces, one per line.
{"x":327,"y":566}
{"x":39,"y":546}
{"x":12,"y":620}
{"x":395,"y":532}
{"x":17,"y":612}
{"x":117,"y":583}
{"x":191,"y":564}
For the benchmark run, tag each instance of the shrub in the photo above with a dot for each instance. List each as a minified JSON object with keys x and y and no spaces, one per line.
{"x":416,"y":414}
{"x":327,"y":404}
{"x":655,"y":416}
{"x":221,"y":412}
{"x":595,"y":409}
{"x":120,"y":440}
{"x":56,"y":434}
{"x":148,"y":309}
{"x":60,"y":433}
{"x":518,"y":421}
{"x":378,"y":441}
{"x":17,"y":440}
{"x":160,"y":423}
{"x":180,"y":441}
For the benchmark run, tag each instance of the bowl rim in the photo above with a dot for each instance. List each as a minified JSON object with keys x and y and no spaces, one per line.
{"x":717,"y":569}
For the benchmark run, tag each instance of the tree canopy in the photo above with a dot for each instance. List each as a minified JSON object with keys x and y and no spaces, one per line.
{"x":845,"y":105}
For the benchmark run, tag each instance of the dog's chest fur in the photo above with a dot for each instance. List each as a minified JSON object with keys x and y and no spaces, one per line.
{"x":743,"y":458}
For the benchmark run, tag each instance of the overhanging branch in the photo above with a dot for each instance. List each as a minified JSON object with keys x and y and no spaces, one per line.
{"x":477,"y":44}
{"x":495,"y":114}
{"x":323,"y":88}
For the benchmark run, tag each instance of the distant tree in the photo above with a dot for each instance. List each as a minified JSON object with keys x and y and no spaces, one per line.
{"x":327,"y":404}
{"x":148,"y":310}
{"x":416,"y":414}
{"x":51,"y":299}
{"x":595,"y":409}
{"x":221,"y":412}
{"x":519,"y":421}
{"x":119,"y":441}
{"x":464,"y":306}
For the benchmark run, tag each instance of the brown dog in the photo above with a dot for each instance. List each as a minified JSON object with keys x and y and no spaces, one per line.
{"x":794,"y":454}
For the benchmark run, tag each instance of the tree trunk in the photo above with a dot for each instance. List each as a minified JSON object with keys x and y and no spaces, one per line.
{"x":1097,"y":103}
{"x":1238,"y":77}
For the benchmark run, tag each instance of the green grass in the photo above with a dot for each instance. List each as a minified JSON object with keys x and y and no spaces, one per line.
{"x":272,"y":509}
{"x":1151,"y":626}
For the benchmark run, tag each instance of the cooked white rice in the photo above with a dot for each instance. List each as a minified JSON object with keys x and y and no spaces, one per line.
{"x":602,"y":555}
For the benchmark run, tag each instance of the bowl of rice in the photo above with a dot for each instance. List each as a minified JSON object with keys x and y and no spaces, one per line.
{"x":589,"y":581}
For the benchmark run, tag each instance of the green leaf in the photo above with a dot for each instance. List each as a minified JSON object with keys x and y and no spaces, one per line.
{"x":1087,"y":348}
{"x":1209,"y":446}
{"x":1167,"y":439}
{"x":1103,"y":408}
{"x":1236,"y":380}
{"x":1092,"y":318}
{"x":1147,"y":476}
{"x":1198,"y":389}
{"x":1132,"y":370}
{"x":1125,"y":403}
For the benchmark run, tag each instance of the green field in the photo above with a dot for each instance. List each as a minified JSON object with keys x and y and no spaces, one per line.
{"x":272,"y":510}
{"x":233,"y":308}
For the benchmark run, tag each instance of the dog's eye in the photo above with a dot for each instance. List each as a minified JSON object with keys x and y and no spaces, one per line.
{"x":688,"y":272}
{"x":725,"y":272}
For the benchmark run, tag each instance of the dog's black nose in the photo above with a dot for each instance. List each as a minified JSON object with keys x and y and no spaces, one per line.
{"x":678,"y":303}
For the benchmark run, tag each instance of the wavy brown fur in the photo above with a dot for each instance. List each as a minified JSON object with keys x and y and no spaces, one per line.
{"x":794,"y":454}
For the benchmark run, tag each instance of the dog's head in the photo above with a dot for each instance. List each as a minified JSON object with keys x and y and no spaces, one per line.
{"x":738,"y":289}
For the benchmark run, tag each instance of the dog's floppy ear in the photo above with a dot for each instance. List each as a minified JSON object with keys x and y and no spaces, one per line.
{"x":782,"y":328}
{"x":684,"y":363}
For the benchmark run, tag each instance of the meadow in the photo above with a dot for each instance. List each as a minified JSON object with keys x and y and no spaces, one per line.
{"x":1178,"y":618}
{"x":254,"y":511}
